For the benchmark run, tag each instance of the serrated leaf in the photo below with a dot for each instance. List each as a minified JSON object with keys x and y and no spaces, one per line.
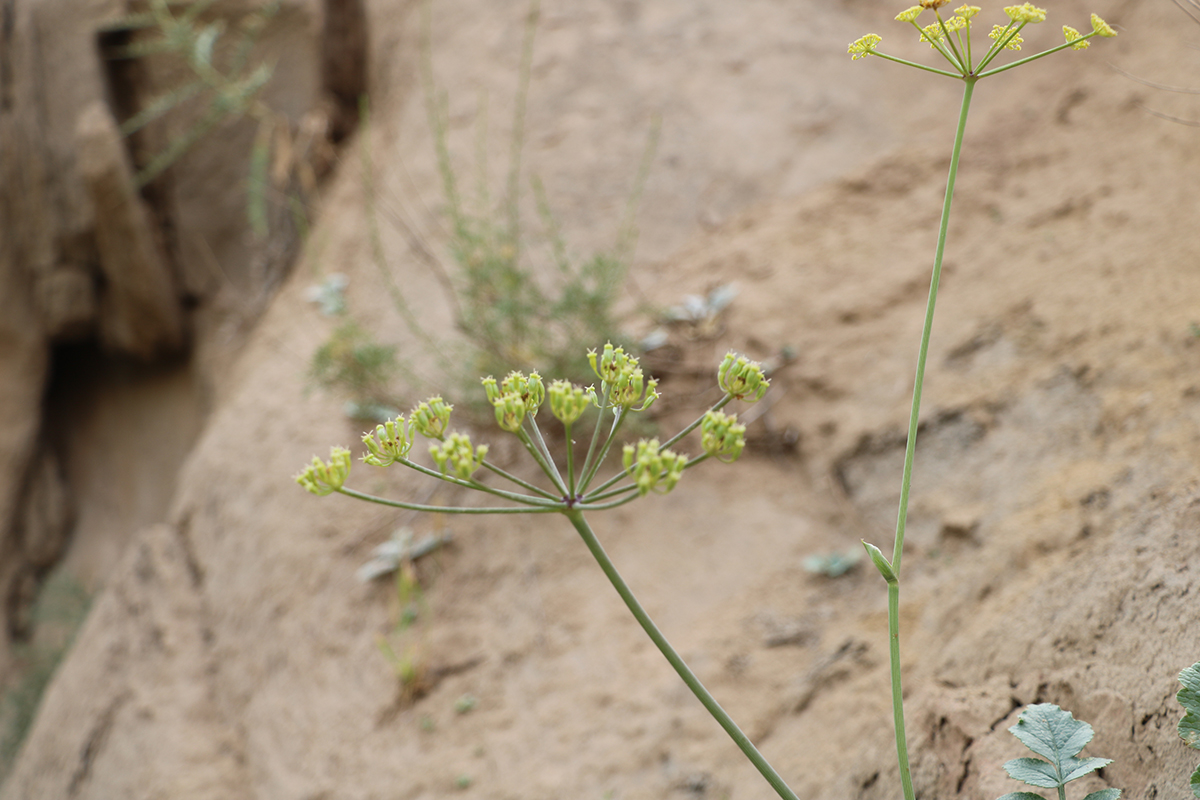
{"x":1104,"y":794}
{"x":1078,"y":767}
{"x":1021,"y":796}
{"x":1033,"y":771}
{"x":1189,"y":698}
{"x":1051,"y":732}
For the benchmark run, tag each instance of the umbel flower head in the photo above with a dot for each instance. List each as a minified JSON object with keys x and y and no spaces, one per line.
{"x":742,"y":378}
{"x":326,"y":477}
{"x":567,"y":401}
{"x":863,"y":47}
{"x":389,"y":443}
{"x":431,"y":418}
{"x":722,"y":436}
{"x":621,"y":379}
{"x":456,"y":455}
{"x":1027,"y":12}
{"x":652,"y":468}
{"x":950,"y":36}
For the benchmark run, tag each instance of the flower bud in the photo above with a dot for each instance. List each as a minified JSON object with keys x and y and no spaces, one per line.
{"x":389,"y":443}
{"x":612,"y":362}
{"x":722,"y":436}
{"x":742,"y":378}
{"x":431,"y":417}
{"x":322,"y":478}
{"x":652,"y":468}
{"x":909,"y":14}
{"x":966,"y":12}
{"x":531,"y":390}
{"x":510,"y":412}
{"x":455,"y":454}
{"x":490,"y":387}
{"x":567,"y":401}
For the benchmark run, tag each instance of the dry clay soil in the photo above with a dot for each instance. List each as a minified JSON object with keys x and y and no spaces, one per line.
{"x":1054,"y":547}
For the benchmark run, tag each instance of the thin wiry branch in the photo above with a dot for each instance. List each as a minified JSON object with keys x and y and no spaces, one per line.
{"x":1180,"y":120}
{"x":1154,"y":84}
{"x":1193,"y":12}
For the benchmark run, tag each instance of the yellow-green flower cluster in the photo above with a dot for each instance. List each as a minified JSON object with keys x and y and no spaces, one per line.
{"x":515,"y":397}
{"x":326,"y":477}
{"x":722,"y":436}
{"x":1102,"y":28}
{"x":621,"y":379}
{"x":966,"y":12}
{"x":1000,"y":31}
{"x":390,"y":443}
{"x":652,"y":468}
{"x":932,"y":33}
{"x":455,"y":454}
{"x":742,"y":378}
{"x":431,"y":418}
{"x":1073,"y":35}
{"x":1025,"y":13}
{"x":910,"y":14}
{"x":567,"y":401}
{"x":863,"y":47}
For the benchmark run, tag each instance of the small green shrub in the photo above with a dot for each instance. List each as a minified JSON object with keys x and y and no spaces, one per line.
{"x":224,"y":82}
{"x":351,"y":362}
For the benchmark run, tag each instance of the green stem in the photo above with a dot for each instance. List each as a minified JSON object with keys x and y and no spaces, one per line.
{"x":522,"y":483}
{"x":618,"y":418}
{"x":908,"y":63}
{"x":383,"y":501}
{"x":549,"y":468}
{"x":689,"y":677}
{"x":551,"y":502}
{"x":570,"y":460}
{"x":1043,"y":54}
{"x":910,"y":450}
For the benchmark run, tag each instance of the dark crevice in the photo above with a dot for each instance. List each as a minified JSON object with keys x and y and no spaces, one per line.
{"x":8,"y":24}
{"x":344,"y":63}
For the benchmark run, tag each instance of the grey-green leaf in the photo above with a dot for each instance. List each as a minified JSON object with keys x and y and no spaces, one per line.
{"x":1078,"y":767}
{"x":1189,"y":698}
{"x":1021,"y":796}
{"x":1033,"y":771}
{"x":1051,"y":732}
{"x":1104,"y":794}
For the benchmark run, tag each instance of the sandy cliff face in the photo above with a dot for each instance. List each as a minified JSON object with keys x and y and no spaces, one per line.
{"x":1055,"y":516}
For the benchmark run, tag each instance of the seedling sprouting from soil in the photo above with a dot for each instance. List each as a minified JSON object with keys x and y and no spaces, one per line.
{"x":950,"y":37}
{"x":1058,"y":737}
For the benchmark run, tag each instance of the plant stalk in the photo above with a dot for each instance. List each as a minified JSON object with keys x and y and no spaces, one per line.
{"x":910,"y":450}
{"x":689,"y":677}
